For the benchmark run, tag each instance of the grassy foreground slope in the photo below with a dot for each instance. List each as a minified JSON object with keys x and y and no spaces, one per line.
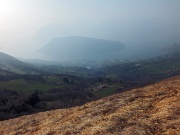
{"x":151,"y":110}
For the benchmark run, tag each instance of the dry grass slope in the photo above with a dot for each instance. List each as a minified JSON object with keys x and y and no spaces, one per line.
{"x":152,"y":110}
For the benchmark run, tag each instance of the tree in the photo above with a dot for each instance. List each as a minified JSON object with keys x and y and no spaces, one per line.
{"x":33,"y":99}
{"x":65,"y":80}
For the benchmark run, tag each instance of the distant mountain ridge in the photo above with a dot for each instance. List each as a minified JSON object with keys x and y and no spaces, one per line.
{"x":82,"y":48}
{"x":13,"y":65}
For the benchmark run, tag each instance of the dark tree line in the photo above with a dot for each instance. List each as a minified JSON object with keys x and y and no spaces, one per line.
{"x":13,"y":104}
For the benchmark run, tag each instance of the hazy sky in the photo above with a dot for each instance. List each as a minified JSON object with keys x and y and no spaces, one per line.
{"x":26,"y":25}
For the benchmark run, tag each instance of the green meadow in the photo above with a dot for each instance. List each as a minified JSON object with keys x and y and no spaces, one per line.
{"x":22,"y":86}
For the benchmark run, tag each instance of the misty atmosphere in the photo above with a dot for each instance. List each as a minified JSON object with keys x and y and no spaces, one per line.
{"x":69,"y":54}
{"x":143,"y":27}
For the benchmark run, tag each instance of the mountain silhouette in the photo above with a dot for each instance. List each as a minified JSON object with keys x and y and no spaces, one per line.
{"x":10,"y":64}
{"x":82,"y":48}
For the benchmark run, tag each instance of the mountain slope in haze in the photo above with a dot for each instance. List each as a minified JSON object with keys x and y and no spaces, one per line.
{"x":82,"y":48}
{"x":151,"y":110}
{"x":146,"y":70}
{"x":13,"y":65}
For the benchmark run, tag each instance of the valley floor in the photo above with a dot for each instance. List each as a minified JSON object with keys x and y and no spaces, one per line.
{"x":151,"y":110}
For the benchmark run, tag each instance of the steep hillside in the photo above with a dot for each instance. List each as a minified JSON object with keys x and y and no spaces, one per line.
{"x":81,"y":48}
{"x":146,"y":71}
{"x":152,"y":110}
{"x":13,"y":65}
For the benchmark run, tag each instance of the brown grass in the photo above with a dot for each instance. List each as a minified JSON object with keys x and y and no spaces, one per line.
{"x":152,"y":110}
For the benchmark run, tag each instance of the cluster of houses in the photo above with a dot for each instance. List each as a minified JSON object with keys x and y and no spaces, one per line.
{"x":100,"y":87}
